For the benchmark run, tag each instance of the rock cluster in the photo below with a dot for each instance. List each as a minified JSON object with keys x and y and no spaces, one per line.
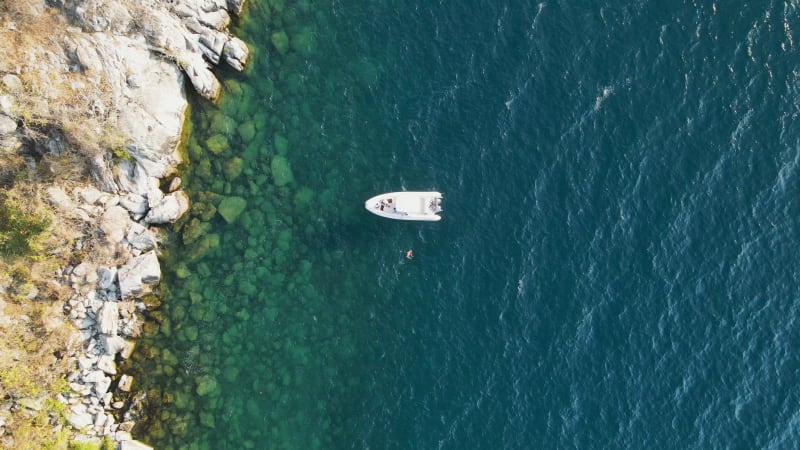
{"x":190,"y":32}
{"x":107,"y":302}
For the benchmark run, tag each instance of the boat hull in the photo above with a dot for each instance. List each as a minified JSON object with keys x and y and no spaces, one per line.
{"x":411,"y":205}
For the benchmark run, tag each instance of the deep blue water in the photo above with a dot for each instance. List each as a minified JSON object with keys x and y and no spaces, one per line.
{"x":616,"y":266}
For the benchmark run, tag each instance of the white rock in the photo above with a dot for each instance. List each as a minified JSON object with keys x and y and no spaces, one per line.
{"x":81,"y":420}
{"x":112,"y":344}
{"x":85,"y":362}
{"x":100,"y":421}
{"x":108,"y":319}
{"x":201,"y":77}
{"x":94,"y":376}
{"x":106,"y":363}
{"x":175,"y":184}
{"x":101,"y":387}
{"x":131,"y":444}
{"x":154,"y":193}
{"x":90,"y":195}
{"x":114,"y":222}
{"x":125,"y":383}
{"x":138,"y":272}
{"x":12,"y":83}
{"x":212,"y":43}
{"x":236,"y":53}
{"x":5,"y":105}
{"x":171,"y":208}
{"x":7,"y":125}
{"x":122,"y":436}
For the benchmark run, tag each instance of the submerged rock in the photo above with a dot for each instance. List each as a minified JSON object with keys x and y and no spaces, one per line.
{"x":206,"y":385}
{"x":233,"y":168}
{"x":281,"y":171}
{"x":230,"y":208}
{"x":281,"y":42}
{"x":217,"y":144}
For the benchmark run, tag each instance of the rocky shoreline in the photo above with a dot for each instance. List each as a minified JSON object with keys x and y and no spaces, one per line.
{"x":133,"y":60}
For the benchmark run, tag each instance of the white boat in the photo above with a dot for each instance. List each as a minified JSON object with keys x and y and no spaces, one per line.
{"x":407,"y":205}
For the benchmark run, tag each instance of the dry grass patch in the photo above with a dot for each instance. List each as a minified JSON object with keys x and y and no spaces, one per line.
{"x":35,"y":339}
{"x":54,"y":92}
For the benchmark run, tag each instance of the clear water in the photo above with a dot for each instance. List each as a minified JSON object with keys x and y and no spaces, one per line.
{"x":615,"y":267}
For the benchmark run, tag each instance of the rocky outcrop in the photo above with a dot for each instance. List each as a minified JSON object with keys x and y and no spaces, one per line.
{"x":131,"y":58}
{"x":107,"y":303}
{"x":190,"y":32}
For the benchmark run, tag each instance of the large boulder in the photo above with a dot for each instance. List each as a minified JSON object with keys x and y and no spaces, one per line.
{"x":108,"y":318}
{"x":138,"y":275}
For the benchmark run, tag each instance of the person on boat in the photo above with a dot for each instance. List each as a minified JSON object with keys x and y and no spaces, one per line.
{"x":409,"y":254}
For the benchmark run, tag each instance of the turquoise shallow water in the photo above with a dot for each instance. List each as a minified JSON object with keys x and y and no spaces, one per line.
{"x":616,"y":266}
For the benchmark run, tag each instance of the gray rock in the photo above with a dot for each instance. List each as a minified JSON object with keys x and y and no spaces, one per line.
{"x":106,"y":277}
{"x":141,"y":238}
{"x":85,"y":323}
{"x":138,"y":272}
{"x":172,"y":207}
{"x":150,"y":114}
{"x":236,"y":6}
{"x":6,"y":105}
{"x":132,"y":178}
{"x":108,"y":319}
{"x":90,"y":195}
{"x":135,"y":204}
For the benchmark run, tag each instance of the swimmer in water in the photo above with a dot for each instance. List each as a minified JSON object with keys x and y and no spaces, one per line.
{"x":409,"y":254}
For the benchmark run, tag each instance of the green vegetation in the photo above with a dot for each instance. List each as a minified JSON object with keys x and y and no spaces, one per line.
{"x":106,"y":444}
{"x":20,"y":227}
